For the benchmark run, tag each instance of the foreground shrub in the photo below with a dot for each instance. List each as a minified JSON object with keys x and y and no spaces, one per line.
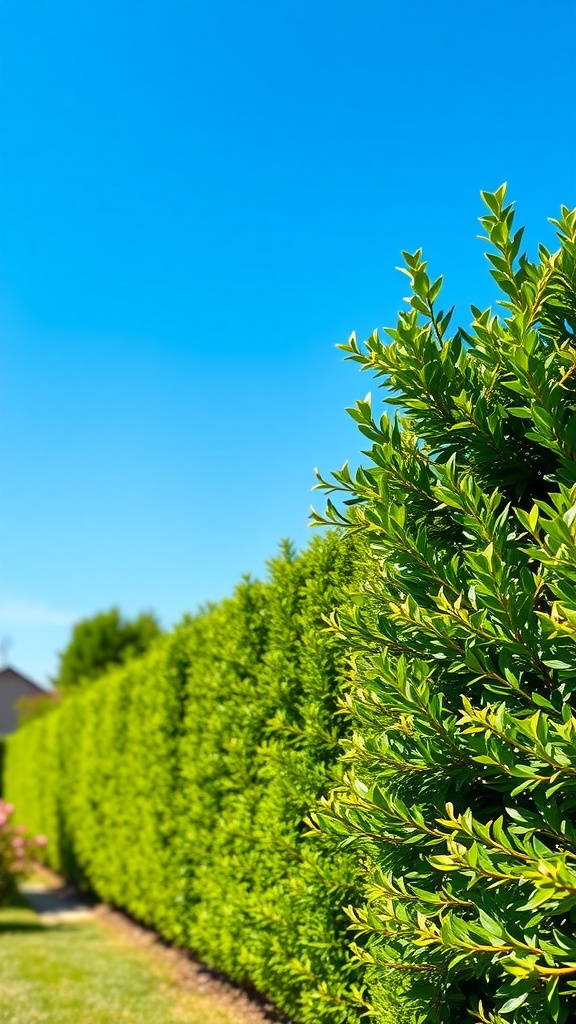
{"x":461,"y":791}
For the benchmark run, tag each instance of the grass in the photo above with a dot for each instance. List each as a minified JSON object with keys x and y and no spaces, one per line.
{"x":86,"y":973}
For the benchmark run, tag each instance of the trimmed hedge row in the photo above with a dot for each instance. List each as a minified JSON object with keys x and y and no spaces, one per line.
{"x":177,"y":785}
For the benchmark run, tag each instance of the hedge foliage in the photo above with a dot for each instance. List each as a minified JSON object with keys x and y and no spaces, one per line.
{"x":461,"y":792}
{"x":176,"y":786}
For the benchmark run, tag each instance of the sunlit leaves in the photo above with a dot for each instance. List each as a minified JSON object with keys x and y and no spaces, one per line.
{"x":460,"y":792}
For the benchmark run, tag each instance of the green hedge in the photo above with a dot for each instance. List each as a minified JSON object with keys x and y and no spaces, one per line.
{"x":461,"y":784}
{"x":177,"y":785}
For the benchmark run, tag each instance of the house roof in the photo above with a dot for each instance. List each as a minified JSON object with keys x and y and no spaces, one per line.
{"x":7,"y":672}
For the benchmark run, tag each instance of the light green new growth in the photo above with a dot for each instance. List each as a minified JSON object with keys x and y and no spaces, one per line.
{"x":461,"y":785}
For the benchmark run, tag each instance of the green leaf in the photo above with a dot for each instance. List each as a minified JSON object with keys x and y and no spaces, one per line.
{"x":514,"y":1003}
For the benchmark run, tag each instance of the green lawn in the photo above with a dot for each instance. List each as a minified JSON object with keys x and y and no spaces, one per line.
{"x":87,"y":973}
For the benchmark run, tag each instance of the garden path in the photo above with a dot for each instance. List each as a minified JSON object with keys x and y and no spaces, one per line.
{"x":59,"y":904}
{"x":67,"y":959}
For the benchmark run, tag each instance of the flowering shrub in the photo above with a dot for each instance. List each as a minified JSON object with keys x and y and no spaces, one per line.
{"x":17,"y":851}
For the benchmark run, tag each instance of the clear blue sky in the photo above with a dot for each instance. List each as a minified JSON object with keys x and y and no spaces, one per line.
{"x":198,"y":202}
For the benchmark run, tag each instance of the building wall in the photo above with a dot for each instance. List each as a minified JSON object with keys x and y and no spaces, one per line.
{"x":12,"y":687}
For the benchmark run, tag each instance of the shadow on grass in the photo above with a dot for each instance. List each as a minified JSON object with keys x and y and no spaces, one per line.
{"x":6,"y":925}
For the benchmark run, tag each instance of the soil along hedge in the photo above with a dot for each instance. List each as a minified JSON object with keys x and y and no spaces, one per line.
{"x":465,"y":699}
{"x":176,"y":786}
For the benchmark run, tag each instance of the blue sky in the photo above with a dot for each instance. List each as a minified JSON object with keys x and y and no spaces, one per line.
{"x":199,"y":201}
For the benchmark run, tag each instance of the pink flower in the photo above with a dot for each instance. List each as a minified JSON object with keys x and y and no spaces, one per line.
{"x":3,"y":818}
{"x":18,"y":842}
{"x":41,"y":840}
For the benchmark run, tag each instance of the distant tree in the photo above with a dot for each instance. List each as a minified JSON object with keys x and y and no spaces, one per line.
{"x":99,"y":642}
